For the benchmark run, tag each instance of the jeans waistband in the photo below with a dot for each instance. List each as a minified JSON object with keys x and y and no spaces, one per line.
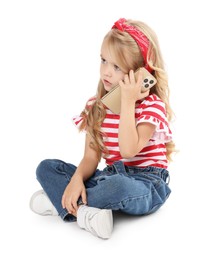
{"x":120,"y":168}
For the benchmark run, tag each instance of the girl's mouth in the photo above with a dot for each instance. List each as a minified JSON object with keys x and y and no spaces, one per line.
{"x":107,"y":83}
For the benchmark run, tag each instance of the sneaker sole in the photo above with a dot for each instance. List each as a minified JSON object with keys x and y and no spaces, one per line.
{"x":44,"y":213}
{"x":105,"y":230}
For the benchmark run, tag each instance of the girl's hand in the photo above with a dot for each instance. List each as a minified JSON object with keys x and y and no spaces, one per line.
{"x":131,"y":89}
{"x":73,"y":191}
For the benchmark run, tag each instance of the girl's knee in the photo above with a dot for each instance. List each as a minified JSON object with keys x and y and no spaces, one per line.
{"x":54,"y":169}
{"x":43,"y":169}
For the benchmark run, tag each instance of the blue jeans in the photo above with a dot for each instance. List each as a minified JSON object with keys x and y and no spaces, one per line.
{"x":133,"y":190}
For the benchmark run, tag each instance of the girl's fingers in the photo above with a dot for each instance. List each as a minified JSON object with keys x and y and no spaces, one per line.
{"x":84,"y":197}
{"x":71,"y":204}
{"x":63,"y":202}
{"x":70,"y":208}
{"x":132,"y":77}
{"x":74,"y":205}
{"x":126,"y":79}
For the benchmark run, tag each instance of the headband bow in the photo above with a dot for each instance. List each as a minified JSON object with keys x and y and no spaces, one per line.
{"x":137,"y":35}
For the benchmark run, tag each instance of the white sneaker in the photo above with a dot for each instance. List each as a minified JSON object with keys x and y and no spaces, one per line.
{"x":97,"y":221}
{"x":41,"y":204}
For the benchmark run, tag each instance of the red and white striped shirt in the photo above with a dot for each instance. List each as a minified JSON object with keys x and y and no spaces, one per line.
{"x":150,"y":110}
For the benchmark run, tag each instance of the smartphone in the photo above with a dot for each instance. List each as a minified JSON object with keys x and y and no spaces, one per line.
{"x":112,"y":99}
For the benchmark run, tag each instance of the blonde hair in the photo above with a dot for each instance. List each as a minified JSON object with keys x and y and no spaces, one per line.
{"x":128,"y":56}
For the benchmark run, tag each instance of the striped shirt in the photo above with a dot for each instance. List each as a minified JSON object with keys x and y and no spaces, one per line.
{"x":150,"y":110}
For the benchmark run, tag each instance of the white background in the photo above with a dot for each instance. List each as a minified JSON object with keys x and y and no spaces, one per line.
{"x":49,"y":67}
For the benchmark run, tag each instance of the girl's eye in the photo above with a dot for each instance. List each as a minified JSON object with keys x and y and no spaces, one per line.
{"x":103,"y":60}
{"x":116,"y":68}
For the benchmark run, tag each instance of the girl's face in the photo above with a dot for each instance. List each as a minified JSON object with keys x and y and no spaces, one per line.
{"x":110,"y":72}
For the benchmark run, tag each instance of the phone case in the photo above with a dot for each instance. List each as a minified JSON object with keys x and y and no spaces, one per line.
{"x":112,"y":99}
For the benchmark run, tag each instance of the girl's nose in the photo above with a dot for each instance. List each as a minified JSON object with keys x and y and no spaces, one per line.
{"x":108,"y":72}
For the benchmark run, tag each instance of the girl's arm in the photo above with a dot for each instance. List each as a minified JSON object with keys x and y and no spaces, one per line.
{"x":132,"y":139}
{"x":76,"y":188}
{"x":89,"y":160}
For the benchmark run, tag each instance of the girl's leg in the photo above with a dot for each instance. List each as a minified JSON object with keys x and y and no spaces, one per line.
{"x":54,"y":176}
{"x":136,"y":194}
{"x":114,"y":190}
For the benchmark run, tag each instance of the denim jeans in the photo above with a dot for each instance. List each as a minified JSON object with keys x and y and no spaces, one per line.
{"x":133,"y":190}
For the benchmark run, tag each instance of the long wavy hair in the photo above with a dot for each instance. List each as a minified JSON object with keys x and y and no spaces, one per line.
{"x":128,"y":56}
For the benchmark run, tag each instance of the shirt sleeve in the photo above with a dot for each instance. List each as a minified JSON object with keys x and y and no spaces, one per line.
{"x":78,"y":119}
{"x":152,"y":110}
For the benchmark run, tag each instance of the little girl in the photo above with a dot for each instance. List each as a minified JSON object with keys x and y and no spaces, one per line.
{"x":136,"y":144}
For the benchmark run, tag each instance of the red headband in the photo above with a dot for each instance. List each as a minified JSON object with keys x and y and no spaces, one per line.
{"x":137,"y":35}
